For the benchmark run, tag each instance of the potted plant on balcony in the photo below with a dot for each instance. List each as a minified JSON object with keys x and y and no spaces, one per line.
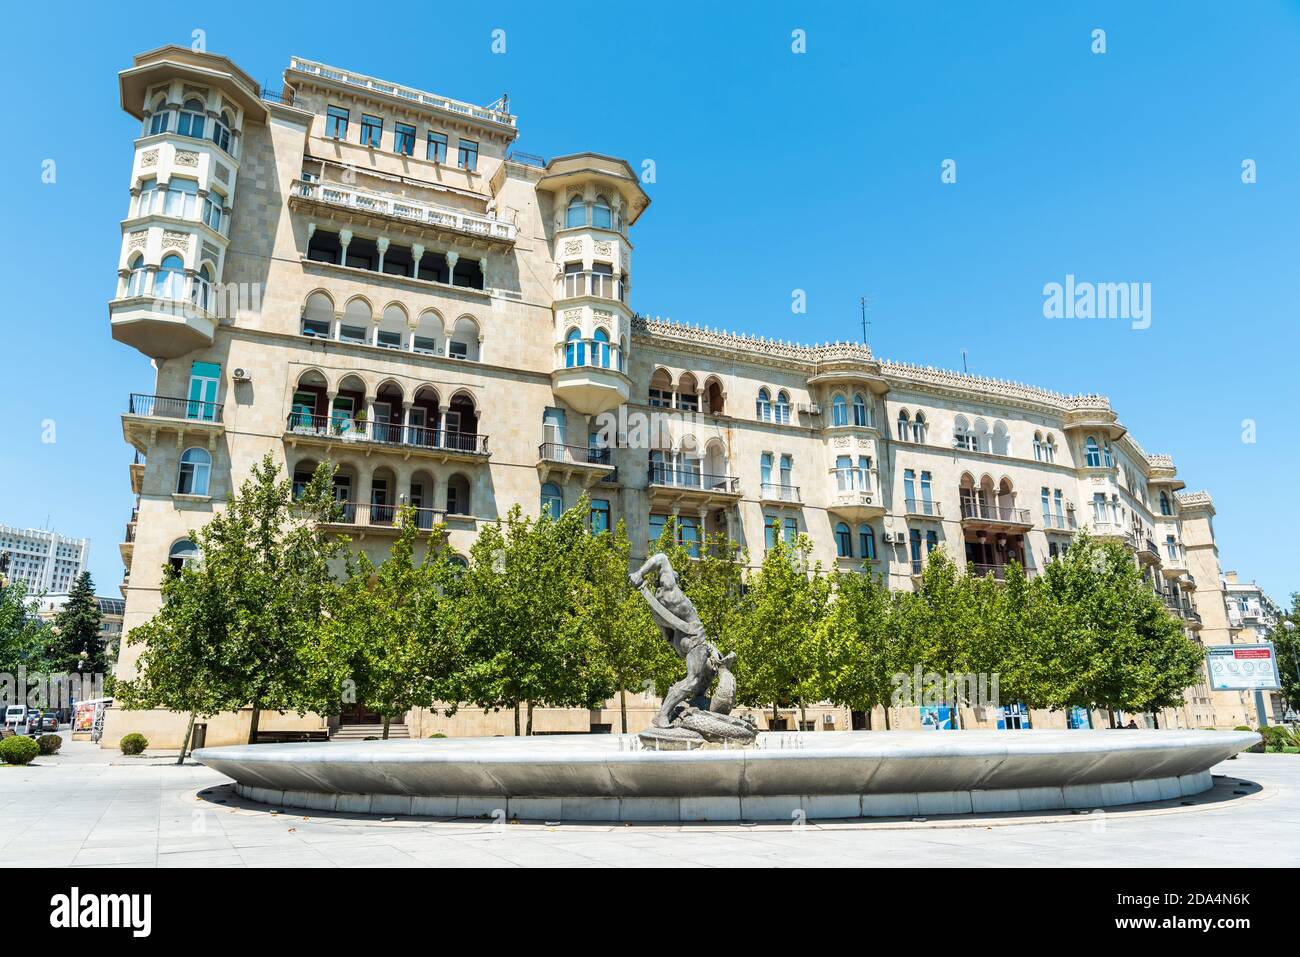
{"x":356,"y":430}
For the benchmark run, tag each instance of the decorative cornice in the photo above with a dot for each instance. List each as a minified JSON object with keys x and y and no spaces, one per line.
{"x":764,"y":350}
{"x":1194,"y":500}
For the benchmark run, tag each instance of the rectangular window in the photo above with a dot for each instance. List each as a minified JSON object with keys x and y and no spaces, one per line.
{"x":467,"y":157}
{"x":457,"y":350}
{"x":212,"y":206}
{"x":390,"y":340}
{"x":336,"y":122}
{"x":204,"y":379}
{"x":426,"y":345}
{"x":352,"y":334}
{"x":437,"y":148}
{"x":769,"y":531}
{"x":372,"y":128}
{"x":599,"y":516}
{"x":404,"y":139}
{"x":318,"y":328}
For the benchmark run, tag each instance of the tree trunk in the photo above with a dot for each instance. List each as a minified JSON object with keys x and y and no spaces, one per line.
{"x":387,"y":721}
{"x":622,"y":707}
{"x":1110,"y":712}
{"x":775,"y":716}
{"x":803,"y":716}
{"x":530,"y":718}
{"x":887,"y":725}
{"x":185,"y":745}
{"x":516,"y":719}
{"x":1155,"y":719}
{"x":868,"y":717}
{"x":253,"y":724}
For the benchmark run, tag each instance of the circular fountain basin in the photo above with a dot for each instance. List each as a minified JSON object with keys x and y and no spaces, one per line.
{"x":832,"y":774}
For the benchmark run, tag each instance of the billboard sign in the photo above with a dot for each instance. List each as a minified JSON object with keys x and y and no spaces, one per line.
{"x":1243,"y":667}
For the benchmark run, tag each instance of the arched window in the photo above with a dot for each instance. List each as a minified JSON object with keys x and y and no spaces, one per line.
{"x":191,"y":119}
{"x":1110,"y":461}
{"x":158,"y":121}
{"x":552,"y":500}
{"x":782,"y":408}
{"x":1165,"y":508}
{"x":918,"y":428}
{"x":839,"y":410}
{"x":1038,"y":446}
{"x":136,"y":281}
{"x":221,"y":132}
{"x":764,"y":405}
{"x":843,"y":541}
{"x":458,"y":495}
{"x":170,"y":281}
{"x":1049,"y":448}
{"x":576,"y":214}
{"x":600,"y":214}
{"x":196,"y":466}
{"x":867,"y":543}
{"x":182,"y":555}
{"x":1001,"y":442}
{"x":962,"y":435}
{"x":859,"y":410}
{"x":1093,"y":453}
{"x":904,"y":426}
{"x":600,"y":349}
{"x":575,"y":350}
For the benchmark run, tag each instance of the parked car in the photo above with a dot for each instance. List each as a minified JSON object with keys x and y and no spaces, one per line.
{"x":16,"y":716}
{"x":49,"y":722}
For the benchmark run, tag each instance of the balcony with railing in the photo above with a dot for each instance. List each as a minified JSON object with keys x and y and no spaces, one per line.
{"x":1059,"y":522}
{"x":362,"y":517}
{"x":589,"y":375}
{"x":855,"y":494}
{"x":148,"y":416}
{"x":370,"y":204}
{"x":409,"y":439}
{"x":990,"y":515}
{"x":590,"y":465}
{"x":996,"y":572}
{"x":774,"y":493}
{"x":673,"y":484}
{"x":923,"y":508}
{"x":1148,"y":552}
{"x":163,"y":313}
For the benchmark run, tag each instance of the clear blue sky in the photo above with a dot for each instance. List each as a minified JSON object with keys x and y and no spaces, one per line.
{"x":776,"y":171}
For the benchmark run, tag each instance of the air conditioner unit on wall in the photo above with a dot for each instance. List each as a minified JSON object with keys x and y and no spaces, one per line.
{"x":239,"y":375}
{"x":809,"y":408}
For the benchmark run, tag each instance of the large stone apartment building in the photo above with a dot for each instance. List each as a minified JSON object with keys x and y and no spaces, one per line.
{"x":359,"y":272}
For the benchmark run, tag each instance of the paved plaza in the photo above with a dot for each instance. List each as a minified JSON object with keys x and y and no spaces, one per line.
{"x":93,"y":808}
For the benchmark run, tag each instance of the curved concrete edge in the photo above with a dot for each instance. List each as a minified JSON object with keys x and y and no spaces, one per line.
{"x":779,"y":807}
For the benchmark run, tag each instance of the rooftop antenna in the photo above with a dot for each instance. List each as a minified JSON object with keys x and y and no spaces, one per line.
{"x":862,"y":304}
{"x":964,"y":370}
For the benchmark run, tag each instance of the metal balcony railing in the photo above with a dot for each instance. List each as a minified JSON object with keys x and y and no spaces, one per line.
{"x":347,"y":429}
{"x":677,"y":477}
{"x":1060,"y":522}
{"x":989,"y":512}
{"x":378,"y":515}
{"x":923,"y":506}
{"x":174,"y":407}
{"x":574,"y":454}
{"x":774,"y":492}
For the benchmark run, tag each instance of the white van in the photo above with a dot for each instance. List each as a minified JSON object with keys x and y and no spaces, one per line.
{"x":16,"y":717}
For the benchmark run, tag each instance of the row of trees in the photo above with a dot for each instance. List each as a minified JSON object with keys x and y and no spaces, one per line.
{"x":542,"y":614}
{"x":70,"y":643}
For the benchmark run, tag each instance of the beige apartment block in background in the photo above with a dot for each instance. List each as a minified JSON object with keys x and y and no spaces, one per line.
{"x":363,"y":273}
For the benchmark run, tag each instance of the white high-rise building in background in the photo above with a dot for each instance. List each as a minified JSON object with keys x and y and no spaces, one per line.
{"x":46,"y":562}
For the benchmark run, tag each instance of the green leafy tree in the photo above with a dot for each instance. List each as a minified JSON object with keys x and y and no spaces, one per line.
{"x":861,"y":647}
{"x":518,"y":621}
{"x":24,"y":638}
{"x":778,"y":647}
{"x":1116,"y":645}
{"x":712,"y":575}
{"x":385,"y":646}
{"x":1286,"y":645}
{"x":79,"y":647}
{"x":237,"y":628}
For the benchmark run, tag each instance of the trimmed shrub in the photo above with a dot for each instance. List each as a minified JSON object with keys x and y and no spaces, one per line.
{"x":18,"y":750}
{"x":49,"y":743}
{"x":133,"y":743}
